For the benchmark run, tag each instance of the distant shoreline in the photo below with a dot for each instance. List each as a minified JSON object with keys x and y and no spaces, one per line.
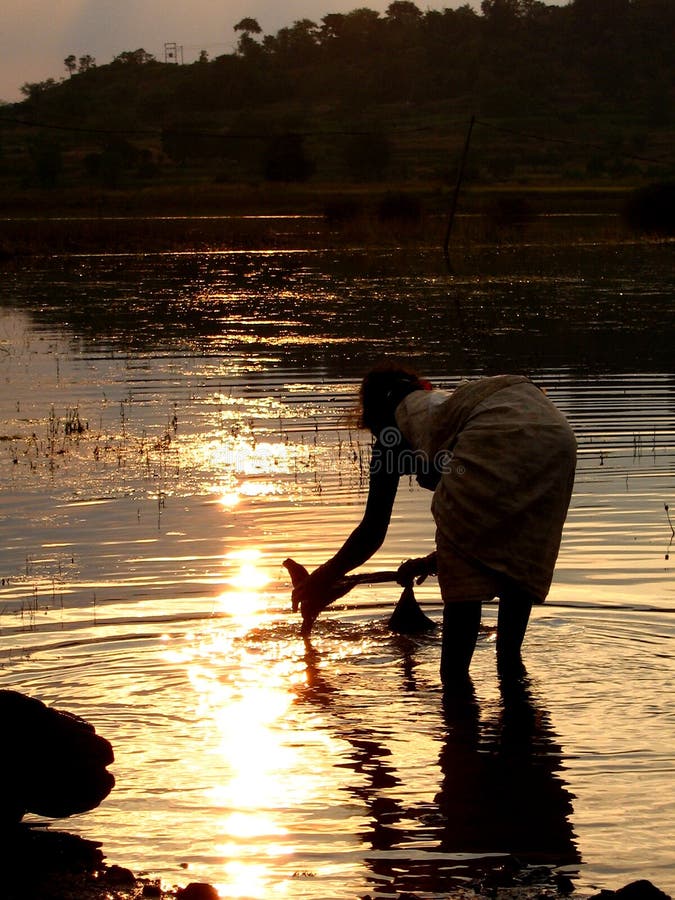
{"x":204,"y":198}
{"x":206,"y":218}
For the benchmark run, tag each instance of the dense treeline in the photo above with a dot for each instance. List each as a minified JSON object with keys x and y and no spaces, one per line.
{"x":367,"y":96}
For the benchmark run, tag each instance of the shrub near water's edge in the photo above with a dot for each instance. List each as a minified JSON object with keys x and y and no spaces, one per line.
{"x":399,"y":206}
{"x":651,"y":209}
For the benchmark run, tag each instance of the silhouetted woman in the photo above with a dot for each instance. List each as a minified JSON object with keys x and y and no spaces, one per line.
{"x":500,"y":460}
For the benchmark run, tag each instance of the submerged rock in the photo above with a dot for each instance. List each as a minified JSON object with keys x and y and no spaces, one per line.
{"x":197,"y":890}
{"x":52,"y":763}
{"x":636,"y":890}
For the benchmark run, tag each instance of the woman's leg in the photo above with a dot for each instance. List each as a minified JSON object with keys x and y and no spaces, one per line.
{"x":514,"y":613}
{"x":461,"y":622}
{"x":463,"y":589}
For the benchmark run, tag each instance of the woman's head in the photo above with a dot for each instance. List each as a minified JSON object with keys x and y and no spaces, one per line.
{"x":382,"y":390}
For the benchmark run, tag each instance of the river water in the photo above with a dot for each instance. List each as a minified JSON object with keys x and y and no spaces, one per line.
{"x":173,"y":426}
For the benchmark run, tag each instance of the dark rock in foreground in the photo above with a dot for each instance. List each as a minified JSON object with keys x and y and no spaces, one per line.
{"x":197,"y":891}
{"x":636,"y":890}
{"x":52,"y":763}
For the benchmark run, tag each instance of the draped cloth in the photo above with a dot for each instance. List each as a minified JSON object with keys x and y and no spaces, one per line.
{"x":507,"y":459}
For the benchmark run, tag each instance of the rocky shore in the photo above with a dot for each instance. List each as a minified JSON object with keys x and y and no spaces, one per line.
{"x":39,"y":863}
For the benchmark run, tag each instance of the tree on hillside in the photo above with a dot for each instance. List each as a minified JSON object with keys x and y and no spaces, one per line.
{"x":71,"y":64}
{"x":501,"y":13}
{"x":138,"y":57}
{"x":404,"y":11}
{"x":402,"y":22}
{"x":85,"y":63}
{"x":297,"y":44}
{"x":355,"y":27}
{"x":35,"y":89}
{"x":247,"y":27}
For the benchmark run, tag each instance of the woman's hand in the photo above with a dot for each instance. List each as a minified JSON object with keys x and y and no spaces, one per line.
{"x":311,"y":588}
{"x":416,"y":570}
{"x":314,"y":592}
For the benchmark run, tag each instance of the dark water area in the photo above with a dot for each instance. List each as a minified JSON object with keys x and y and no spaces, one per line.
{"x":589,"y":308}
{"x":173,"y":425}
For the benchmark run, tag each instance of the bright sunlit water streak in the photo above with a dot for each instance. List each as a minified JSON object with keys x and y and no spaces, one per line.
{"x":162,"y":457}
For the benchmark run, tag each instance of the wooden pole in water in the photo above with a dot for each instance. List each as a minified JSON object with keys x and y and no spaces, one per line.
{"x":455,"y":194}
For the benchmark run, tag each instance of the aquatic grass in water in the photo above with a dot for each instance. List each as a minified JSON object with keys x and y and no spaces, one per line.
{"x":180,"y":424}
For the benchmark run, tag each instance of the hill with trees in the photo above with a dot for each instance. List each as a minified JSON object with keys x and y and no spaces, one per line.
{"x":582,"y":93}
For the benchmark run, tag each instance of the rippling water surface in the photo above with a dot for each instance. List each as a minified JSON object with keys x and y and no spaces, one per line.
{"x":173,"y":426}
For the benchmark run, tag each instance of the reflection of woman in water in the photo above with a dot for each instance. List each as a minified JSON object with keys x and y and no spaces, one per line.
{"x":500,"y":459}
{"x":500,"y":791}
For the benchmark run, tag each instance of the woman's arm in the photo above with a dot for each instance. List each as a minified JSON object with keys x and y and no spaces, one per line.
{"x":369,"y":534}
{"x":362,"y":543}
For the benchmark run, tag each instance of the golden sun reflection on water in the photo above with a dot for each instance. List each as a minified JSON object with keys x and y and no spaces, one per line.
{"x":244,"y":602}
{"x":251,"y":760}
{"x":244,"y":457}
{"x":229,"y":498}
{"x":249,"y":577}
{"x":232,"y":496}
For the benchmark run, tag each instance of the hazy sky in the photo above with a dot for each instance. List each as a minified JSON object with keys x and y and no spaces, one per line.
{"x":37,"y":35}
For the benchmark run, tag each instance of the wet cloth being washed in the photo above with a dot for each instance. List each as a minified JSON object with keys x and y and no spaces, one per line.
{"x":507,"y":459}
